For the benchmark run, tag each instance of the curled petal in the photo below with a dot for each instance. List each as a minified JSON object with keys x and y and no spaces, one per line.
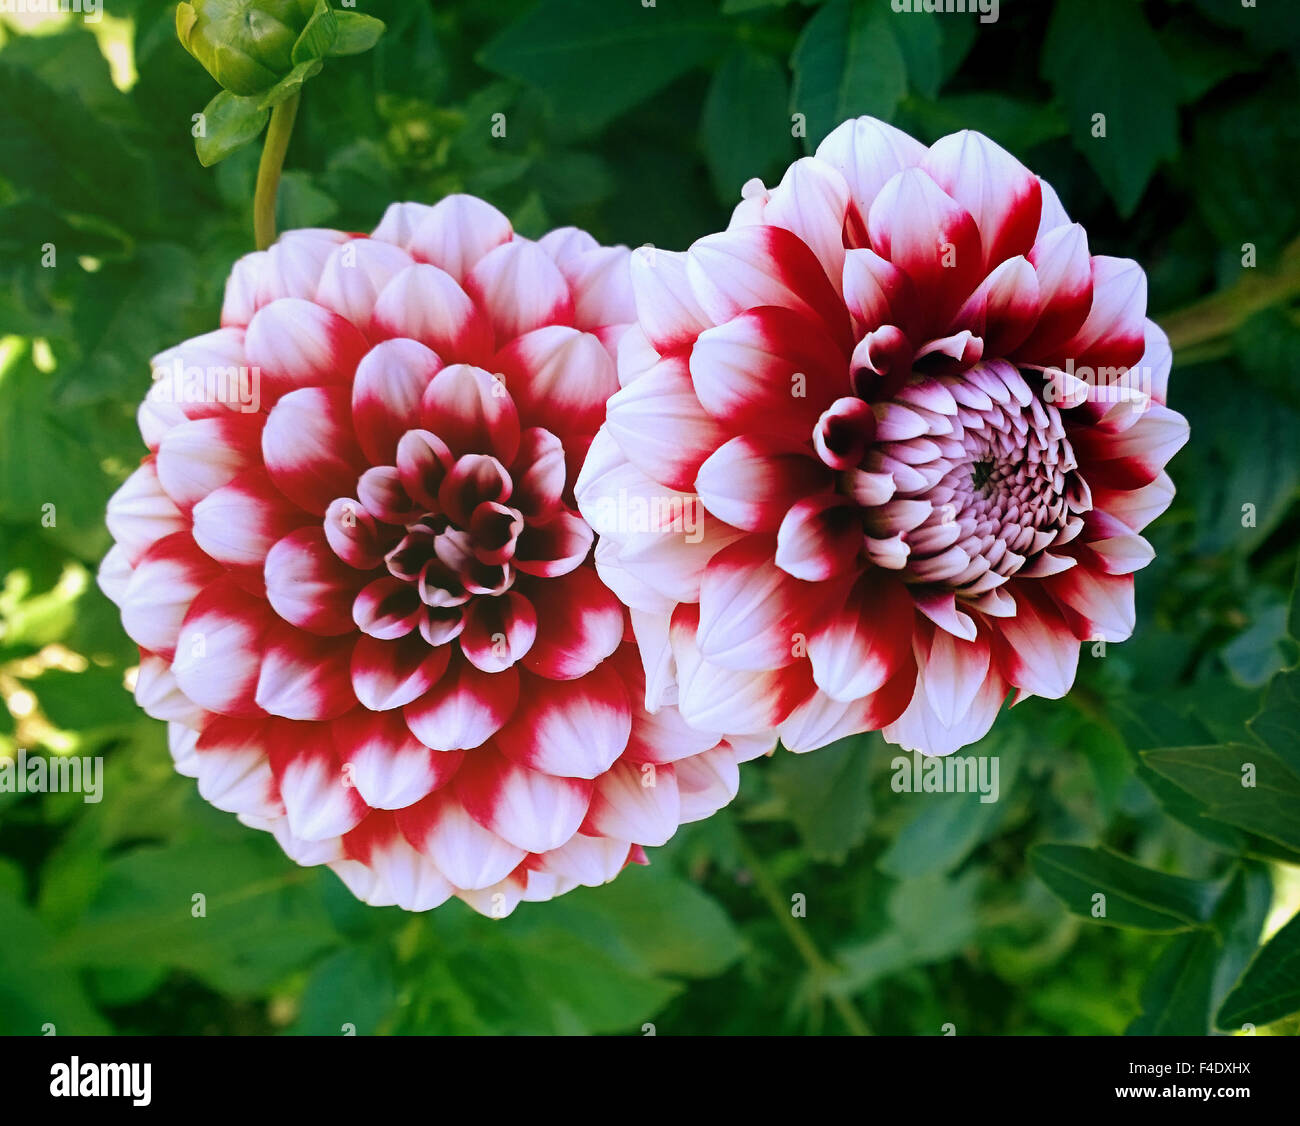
{"x":354,"y":275}
{"x":820,"y":538}
{"x":426,"y":304}
{"x":554,"y":548}
{"x":389,"y":674}
{"x":469,"y":855}
{"x":528,"y":808}
{"x":318,"y":801}
{"x":294,"y":343}
{"x":310,"y":449}
{"x":390,"y":768}
{"x":456,"y":232}
{"x":636,"y":804}
{"x":471,"y":411}
{"x":302,"y":676}
{"x":752,"y":614}
{"x":579,"y":624}
{"x":751,"y":482}
{"x":859,"y":647}
{"x":1002,"y":195}
{"x":922,"y":230}
{"x":386,"y":394}
{"x":768,"y":370}
{"x":309,"y":586}
{"x":464,"y":709}
{"x":520,"y":288}
{"x":560,"y":379}
{"x":573,"y":728}
{"x":498,"y":631}
{"x":660,"y":424}
{"x":219,"y":649}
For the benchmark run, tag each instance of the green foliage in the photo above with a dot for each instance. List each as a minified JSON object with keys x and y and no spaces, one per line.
{"x":746,"y":103}
{"x":828,"y":798}
{"x":823,"y":886}
{"x":847,"y":62}
{"x":1101,"y":884}
{"x":1270,"y":987}
{"x":568,"y":48}
{"x":1119,"y":91}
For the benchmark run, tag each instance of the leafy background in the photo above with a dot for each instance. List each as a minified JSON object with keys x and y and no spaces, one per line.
{"x":641,"y":124}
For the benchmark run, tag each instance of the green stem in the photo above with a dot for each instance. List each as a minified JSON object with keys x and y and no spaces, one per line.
{"x":1203,"y":330}
{"x":268,"y":171}
{"x":799,"y":937}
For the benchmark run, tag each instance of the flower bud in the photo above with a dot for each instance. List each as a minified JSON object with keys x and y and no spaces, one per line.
{"x":246,"y":45}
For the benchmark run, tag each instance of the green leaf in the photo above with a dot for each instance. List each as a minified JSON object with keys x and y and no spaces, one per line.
{"x":921,"y":42}
{"x":1278,"y":724}
{"x":354,"y":33}
{"x":1176,"y":994}
{"x":47,"y":459}
{"x":947,"y":825}
{"x":745,"y":130}
{"x":130,"y":311}
{"x":1270,"y":987}
{"x":1111,"y":766}
{"x":1134,"y":896}
{"x":1263,"y":346}
{"x":71,"y":62}
{"x":827,"y":796}
{"x":1218,"y":475}
{"x":34,"y":991}
{"x":1293,"y":614}
{"x":1016,"y":125}
{"x":1200,"y":59}
{"x":1239,"y":921}
{"x":291,"y":83}
{"x":1249,"y":142}
{"x":34,"y":620}
{"x":1197,"y":967}
{"x":259,"y":919}
{"x":1256,"y":654}
{"x":846,"y":63}
{"x":595,"y":60}
{"x":1147,"y":724}
{"x":663,"y":924}
{"x":573,"y":179}
{"x":930,"y":919}
{"x":84,"y":701}
{"x":318,"y":36}
{"x":1102,"y":57}
{"x":955,"y":44}
{"x":541,"y":979}
{"x":112,"y":988}
{"x":67,"y":157}
{"x":354,"y":987}
{"x":300,"y":203}
{"x":1280,"y":31}
{"x":229,"y":123}
{"x":1218,"y":777}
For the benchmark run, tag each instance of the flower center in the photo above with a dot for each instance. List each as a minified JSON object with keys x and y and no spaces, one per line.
{"x":443,"y":540}
{"x":965,"y":479}
{"x":980,"y":475}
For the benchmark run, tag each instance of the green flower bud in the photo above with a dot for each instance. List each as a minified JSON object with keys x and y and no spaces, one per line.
{"x":244,"y":44}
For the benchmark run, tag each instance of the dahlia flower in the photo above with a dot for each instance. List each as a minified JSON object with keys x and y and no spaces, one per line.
{"x":364,"y":600}
{"x":919,"y":426}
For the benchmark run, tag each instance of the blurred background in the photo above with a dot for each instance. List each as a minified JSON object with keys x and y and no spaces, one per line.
{"x":822,"y":901}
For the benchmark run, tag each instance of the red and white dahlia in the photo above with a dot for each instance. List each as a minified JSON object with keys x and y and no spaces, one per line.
{"x":364,"y":600}
{"x":920,"y":427}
